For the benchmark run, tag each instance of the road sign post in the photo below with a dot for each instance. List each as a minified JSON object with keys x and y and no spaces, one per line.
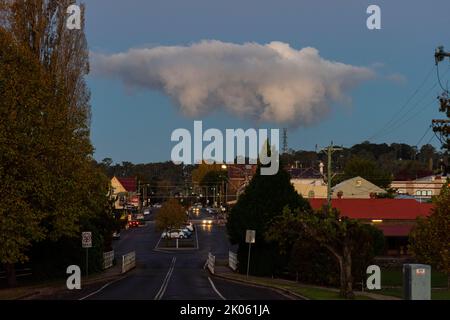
{"x":86,"y":242}
{"x":249,"y":238}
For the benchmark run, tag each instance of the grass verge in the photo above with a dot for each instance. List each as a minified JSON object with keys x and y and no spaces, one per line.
{"x":310,"y":292}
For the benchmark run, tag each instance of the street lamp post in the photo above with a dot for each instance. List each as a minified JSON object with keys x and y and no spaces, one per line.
{"x":224,"y":188}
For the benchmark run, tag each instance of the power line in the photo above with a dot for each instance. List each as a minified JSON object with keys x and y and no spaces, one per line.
{"x":405,"y":121}
{"x":439,"y":79}
{"x":426,"y":132}
{"x":399,"y":123}
{"x":432,"y":137}
{"x":404,"y":105}
{"x":394,"y":124}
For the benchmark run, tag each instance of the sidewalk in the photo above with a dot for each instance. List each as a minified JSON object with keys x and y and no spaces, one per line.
{"x":308,"y":292}
{"x":53,"y":286}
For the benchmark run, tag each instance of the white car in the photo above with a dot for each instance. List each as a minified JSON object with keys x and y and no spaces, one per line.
{"x":174,"y":234}
{"x":189,"y":226}
{"x":146,"y":211}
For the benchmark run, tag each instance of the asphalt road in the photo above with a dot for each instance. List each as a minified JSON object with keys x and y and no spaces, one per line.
{"x":175,"y":275}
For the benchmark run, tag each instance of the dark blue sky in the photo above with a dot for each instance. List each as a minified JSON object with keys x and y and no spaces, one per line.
{"x":136,"y":125}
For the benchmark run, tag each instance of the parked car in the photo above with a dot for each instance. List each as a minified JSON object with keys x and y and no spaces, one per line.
{"x":116,"y":235}
{"x":187,"y":232}
{"x":189,"y":226}
{"x":174,"y":234}
{"x":146,"y":211}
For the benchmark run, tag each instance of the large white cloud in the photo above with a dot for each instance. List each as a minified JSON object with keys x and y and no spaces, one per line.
{"x":271,"y":82}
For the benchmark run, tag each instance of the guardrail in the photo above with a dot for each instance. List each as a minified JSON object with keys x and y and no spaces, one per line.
{"x":128,"y":261}
{"x":211,"y":262}
{"x":232,"y":260}
{"x":108,"y":258}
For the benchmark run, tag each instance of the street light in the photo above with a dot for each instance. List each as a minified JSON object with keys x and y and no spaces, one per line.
{"x":224,"y":189}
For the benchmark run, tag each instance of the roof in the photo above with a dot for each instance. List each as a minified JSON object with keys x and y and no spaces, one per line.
{"x":356,"y":187}
{"x":308,"y":173}
{"x":305,"y":189}
{"x":128,"y":183}
{"x":372,"y":209}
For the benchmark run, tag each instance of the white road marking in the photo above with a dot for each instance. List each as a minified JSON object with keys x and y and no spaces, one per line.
{"x":215,"y":289}
{"x":99,"y":290}
{"x":165,"y":283}
{"x":157,"y":245}
{"x":196,"y":236}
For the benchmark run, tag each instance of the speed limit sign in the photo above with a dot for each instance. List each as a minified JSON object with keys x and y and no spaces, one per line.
{"x":86,"y":239}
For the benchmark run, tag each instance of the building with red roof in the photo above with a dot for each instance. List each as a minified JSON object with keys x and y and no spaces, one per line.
{"x":129,"y":184}
{"x":125,"y":191}
{"x":395,"y":217}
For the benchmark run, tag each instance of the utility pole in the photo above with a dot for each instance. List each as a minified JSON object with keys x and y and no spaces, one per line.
{"x":329,"y":152}
{"x":442,"y":126}
{"x":285,"y":141}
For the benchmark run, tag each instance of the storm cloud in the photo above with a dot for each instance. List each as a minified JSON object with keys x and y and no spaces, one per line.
{"x":262,"y":82}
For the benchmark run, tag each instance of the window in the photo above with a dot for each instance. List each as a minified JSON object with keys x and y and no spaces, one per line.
{"x":358,"y":183}
{"x":311,"y":194}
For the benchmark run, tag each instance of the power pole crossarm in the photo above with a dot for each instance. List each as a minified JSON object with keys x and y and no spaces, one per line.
{"x":440,"y":54}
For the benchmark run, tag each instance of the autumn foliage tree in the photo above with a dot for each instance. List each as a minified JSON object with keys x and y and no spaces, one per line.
{"x":171,"y":215}
{"x":430,"y":239}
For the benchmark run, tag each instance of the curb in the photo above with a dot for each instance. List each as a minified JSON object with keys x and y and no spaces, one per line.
{"x":278,"y":290}
{"x":27,"y":295}
{"x":60,"y":287}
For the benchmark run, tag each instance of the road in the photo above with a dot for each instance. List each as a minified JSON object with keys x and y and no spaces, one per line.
{"x":175,"y":275}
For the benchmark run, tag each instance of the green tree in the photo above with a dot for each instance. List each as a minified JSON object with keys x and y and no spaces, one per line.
{"x":345,"y":239}
{"x":263,"y":199}
{"x":199,"y":173}
{"x":46,"y":154}
{"x":430,"y":239}
{"x":23,"y":176}
{"x":171,"y":215}
{"x":366,"y":169}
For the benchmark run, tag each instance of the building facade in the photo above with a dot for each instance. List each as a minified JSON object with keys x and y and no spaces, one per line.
{"x":421,"y":189}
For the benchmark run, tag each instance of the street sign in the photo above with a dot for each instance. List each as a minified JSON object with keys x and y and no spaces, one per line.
{"x":86,"y":239}
{"x":250,"y":236}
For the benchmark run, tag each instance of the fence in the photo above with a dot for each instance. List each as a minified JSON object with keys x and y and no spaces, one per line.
{"x":232,"y":260}
{"x":128,"y":261}
{"x":211,"y":262}
{"x":108,"y":258}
